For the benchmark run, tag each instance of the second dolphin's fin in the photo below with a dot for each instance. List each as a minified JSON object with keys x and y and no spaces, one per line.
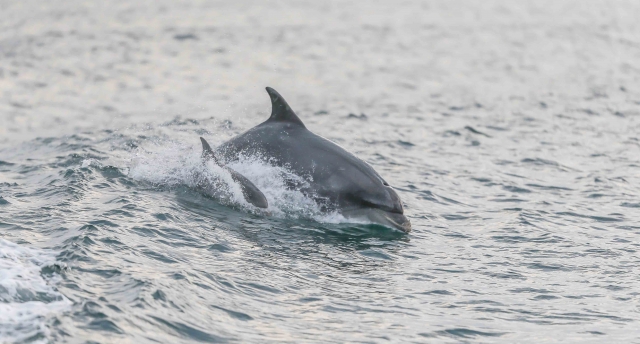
{"x":250,"y":192}
{"x":207,"y":152}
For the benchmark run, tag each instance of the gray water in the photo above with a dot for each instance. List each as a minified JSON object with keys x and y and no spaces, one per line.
{"x":509,"y":129}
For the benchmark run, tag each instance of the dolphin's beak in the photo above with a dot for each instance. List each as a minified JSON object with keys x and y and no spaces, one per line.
{"x":382,"y":217}
{"x":397,"y":221}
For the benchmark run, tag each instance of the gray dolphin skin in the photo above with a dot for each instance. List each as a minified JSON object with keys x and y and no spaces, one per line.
{"x":336,"y":179}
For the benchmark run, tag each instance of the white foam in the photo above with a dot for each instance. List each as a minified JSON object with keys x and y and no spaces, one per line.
{"x":91,"y":162}
{"x":27,"y":299}
{"x":171,"y":164}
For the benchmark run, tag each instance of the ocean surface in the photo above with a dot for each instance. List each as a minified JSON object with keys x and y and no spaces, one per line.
{"x":510,"y":129}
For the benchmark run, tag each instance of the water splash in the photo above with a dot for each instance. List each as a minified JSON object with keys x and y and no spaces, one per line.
{"x":27,"y":298}
{"x":173,"y":164}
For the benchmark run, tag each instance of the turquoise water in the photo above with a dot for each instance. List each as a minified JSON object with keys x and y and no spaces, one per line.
{"x":509,"y":130}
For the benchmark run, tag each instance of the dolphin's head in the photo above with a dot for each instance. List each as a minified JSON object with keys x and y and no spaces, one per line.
{"x":378,"y":203}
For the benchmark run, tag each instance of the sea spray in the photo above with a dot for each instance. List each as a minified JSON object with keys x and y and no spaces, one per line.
{"x":172,"y":164}
{"x":27,"y":298}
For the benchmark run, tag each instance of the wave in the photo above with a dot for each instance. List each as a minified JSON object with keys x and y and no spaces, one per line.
{"x":28,"y":298}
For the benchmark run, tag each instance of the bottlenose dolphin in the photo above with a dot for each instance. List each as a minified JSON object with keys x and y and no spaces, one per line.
{"x":336,"y":179}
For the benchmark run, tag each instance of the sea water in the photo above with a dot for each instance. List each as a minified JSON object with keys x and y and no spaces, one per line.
{"x":509,"y":130}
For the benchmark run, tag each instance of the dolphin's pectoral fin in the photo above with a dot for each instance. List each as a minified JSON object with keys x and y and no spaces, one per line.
{"x":280,"y":110}
{"x":250,"y":192}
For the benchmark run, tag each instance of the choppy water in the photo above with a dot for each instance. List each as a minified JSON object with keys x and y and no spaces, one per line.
{"x":510,"y":130}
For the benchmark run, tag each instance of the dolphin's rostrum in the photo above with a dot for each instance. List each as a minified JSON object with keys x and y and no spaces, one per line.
{"x":336,"y":179}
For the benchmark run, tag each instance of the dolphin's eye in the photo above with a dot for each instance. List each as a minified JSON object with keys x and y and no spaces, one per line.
{"x":384,"y":182}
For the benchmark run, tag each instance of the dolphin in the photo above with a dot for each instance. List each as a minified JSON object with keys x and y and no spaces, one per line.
{"x":336,"y":179}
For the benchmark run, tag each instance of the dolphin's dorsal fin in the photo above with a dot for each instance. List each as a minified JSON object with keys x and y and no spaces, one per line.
{"x":207,"y":152}
{"x":280,"y":110}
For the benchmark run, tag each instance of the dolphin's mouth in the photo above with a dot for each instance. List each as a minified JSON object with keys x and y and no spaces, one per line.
{"x":382,"y":217}
{"x":398,"y":221}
